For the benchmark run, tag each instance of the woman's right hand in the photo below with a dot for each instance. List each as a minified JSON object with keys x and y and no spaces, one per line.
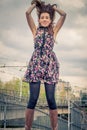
{"x":54,"y":6}
{"x":33,"y":2}
{"x":36,"y":2}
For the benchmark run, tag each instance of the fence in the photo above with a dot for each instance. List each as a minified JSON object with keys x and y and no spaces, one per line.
{"x":77,"y":118}
{"x":12,"y":115}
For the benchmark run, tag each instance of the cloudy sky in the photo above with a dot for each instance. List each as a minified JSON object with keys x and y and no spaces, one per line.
{"x":16,"y":41}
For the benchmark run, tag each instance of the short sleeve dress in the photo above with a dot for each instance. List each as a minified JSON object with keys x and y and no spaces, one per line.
{"x":43,"y":65}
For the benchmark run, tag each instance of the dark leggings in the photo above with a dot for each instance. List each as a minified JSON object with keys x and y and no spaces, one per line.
{"x":34,"y":94}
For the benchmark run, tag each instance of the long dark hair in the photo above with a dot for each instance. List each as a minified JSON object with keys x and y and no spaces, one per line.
{"x":41,"y":8}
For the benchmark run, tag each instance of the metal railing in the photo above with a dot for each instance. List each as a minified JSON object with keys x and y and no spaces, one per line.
{"x":12,"y":115}
{"x":14,"y":97}
{"x":78,"y":117}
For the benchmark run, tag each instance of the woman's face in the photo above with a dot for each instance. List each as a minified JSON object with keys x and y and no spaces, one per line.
{"x":44,"y":19}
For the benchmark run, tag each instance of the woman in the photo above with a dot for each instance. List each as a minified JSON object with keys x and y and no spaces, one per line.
{"x":43,"y":65}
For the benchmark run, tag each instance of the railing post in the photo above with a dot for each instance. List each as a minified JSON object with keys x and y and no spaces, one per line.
{"x":69,"y":122}
{"x":5,"y":108}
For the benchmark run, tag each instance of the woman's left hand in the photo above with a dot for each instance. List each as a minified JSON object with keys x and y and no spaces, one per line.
{"x":54,"y":6}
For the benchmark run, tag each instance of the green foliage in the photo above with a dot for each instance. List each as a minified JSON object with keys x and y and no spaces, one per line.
{"x":25,"y":89}
{"x":1,"y":84}
{"x":42,"y":96}
{"x":14,"y":86}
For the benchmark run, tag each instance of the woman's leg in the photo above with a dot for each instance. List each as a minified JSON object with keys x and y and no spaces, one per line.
{"x":34,"y":94}
{"x":50,"y":95}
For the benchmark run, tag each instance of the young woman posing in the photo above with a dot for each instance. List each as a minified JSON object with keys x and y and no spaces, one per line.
{"x":43,"y":65}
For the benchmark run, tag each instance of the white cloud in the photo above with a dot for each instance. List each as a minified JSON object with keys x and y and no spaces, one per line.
{"x":75,"y":80}
{"x":81,"y":20}
{"x":17,"y":38}
{"x":4,"y":50}
{"x":70,"y":37}
{"x":11,"y":54}
{"x":68,"y":3}
{"x":71,"y":4}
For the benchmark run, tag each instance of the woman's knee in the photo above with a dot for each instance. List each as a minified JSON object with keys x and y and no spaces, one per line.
{"x":51,"y":103}
{"x":32,"y":102}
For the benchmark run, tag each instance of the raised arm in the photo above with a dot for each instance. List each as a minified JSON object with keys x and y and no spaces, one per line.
{"x":60,"y":21}
{"x":30,"y":19}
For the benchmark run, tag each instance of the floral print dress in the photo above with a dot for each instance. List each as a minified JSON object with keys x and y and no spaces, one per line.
{"x":43,"y":65}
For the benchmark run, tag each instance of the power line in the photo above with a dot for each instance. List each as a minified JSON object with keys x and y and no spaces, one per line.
{"x":4,"y":66}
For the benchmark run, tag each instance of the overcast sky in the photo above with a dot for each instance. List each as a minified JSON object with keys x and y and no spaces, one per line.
{"x":16,"y":41}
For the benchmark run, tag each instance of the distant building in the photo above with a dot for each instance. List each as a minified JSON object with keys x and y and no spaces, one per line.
{"x":83,"y":96}
{"x":63,"y":85}
{"x":63,"y":88}
{"x":78,"y":90}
